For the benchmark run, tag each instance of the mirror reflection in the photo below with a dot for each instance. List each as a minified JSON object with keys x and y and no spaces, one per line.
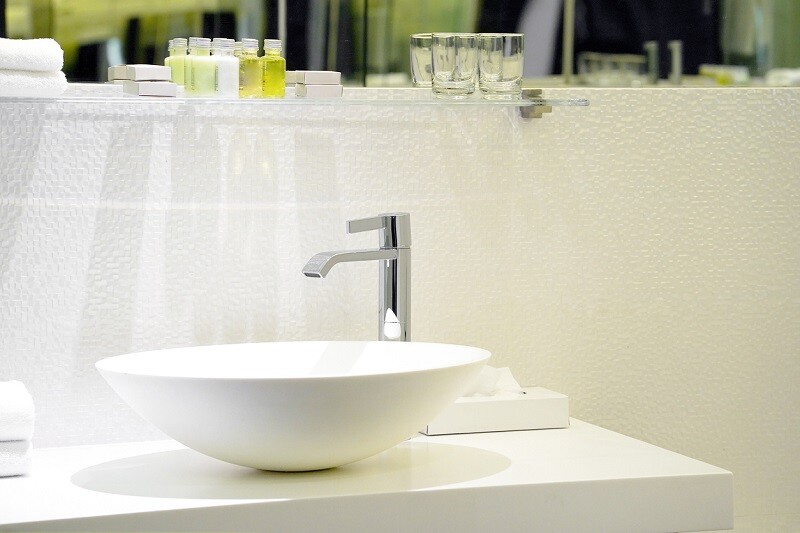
{"x":591,"y":42}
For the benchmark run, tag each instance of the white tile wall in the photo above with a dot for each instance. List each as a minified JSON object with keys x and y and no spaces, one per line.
{"x":641,"y":255}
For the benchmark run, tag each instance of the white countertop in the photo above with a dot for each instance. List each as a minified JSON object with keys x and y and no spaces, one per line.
{"x":583,"y":478}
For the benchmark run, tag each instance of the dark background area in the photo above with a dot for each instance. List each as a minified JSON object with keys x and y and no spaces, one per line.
{"x":609,"y":26}
{"x":621,"y":26}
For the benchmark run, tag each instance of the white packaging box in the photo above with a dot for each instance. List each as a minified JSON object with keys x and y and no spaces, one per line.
{"x":318,"y":91}
{"x":150,"y":88}
{"x":140,"y":73}
{"x":318,"y":77}
{"x":538,"y":408}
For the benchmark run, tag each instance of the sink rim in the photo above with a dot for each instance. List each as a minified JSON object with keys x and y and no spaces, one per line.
{"x":120,"y":364}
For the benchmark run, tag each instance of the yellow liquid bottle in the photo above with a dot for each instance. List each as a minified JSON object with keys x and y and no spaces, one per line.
{"x":250,"y":75}
{"x":274,"y":70}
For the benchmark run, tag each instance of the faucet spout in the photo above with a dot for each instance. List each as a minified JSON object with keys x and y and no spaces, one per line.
{"x":322,"y":263}
{"x":394,"y":257}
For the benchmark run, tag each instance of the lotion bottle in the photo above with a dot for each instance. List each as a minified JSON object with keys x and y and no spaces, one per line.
{"x":227,"y":68}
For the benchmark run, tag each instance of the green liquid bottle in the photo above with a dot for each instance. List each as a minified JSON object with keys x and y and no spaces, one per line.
{"x":187,"y":66}
{"x":250,"y":75}
{"x":274,"y":70}
{"x":202,"y":81}
{"x":170,"y":53}
{"x":177,"y":59}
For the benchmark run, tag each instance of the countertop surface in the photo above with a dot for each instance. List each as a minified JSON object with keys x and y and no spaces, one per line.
{"x":584,"y":478}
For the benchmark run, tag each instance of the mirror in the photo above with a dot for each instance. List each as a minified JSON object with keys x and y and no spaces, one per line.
{"x":367,"y":40}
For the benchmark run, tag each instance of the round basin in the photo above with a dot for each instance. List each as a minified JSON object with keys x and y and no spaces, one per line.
{"x":293,"y":406}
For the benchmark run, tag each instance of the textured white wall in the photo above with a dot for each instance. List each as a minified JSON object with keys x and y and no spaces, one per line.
{"x":641,"y":255}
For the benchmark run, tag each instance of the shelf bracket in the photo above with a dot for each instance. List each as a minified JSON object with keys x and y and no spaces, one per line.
{"x":536,"y":110}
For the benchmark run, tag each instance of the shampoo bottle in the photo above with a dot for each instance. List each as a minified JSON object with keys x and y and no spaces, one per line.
{"x":274,"y":70}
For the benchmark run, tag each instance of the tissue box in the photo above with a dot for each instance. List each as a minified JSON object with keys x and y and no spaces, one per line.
{"x":538,"y":408}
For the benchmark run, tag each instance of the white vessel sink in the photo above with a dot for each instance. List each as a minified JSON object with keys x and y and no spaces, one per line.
{"x":293,"y":406}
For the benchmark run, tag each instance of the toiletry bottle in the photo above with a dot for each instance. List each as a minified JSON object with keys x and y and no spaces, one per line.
{"x":169,"y":53}
{"x":249,"y":70}
{"x":274,"y":70}
{"x":202,"y":69}
{"x":187,"y":65}
{"x":177,"y":59}
{"x":227,"y":68}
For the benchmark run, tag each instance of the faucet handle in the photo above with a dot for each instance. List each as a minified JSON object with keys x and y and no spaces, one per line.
{"x":395,"y":228}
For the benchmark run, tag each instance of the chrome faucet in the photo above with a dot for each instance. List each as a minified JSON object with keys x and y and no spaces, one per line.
{"x":394,"y":256}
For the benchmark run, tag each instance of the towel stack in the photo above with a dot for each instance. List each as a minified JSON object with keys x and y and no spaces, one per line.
{"x":31,"y":68}
{"x":16,"y":429}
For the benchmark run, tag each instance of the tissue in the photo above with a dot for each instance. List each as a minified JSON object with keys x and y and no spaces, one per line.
{"x":492,"y":381}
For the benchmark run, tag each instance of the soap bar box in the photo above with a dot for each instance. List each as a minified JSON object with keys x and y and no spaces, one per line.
{"x":537,"y":408}
{"x":318,"y":91}
{"x":150,"y":88}
{"x":140,"y":73}
{"x":316,"y":77}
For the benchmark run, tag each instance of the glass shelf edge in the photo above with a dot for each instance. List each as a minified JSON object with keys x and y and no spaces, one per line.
{"x":344,"y":101}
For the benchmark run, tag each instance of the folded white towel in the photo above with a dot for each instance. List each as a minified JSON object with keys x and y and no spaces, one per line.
{"x":41,"y":55}
{"x":15,"y":458}
{"x":24,"y":83}
{"x":16,"y":411}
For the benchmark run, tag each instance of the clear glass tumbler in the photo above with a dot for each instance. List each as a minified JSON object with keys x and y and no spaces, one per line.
{"x":500,"y":64}
{"x":421,"y":70}
{"x":455,"y":64}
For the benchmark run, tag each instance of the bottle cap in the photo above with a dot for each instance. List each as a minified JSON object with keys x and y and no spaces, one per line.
{"x":178,"y":42}
{"x":272,"y":44}
{"x":221,"y":43}
{"x":250,"y":44}
{"x":202,"y":42}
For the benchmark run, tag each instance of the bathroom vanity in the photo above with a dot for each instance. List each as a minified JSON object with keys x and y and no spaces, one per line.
{"x":583,"y":478}
{"x":639,"y":253}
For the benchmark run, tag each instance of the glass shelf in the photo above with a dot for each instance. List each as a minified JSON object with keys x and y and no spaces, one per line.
{"x":353,"y":96}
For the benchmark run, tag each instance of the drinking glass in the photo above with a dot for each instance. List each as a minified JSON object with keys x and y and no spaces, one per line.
{"x":500,"y":64}
{"x":420,"y":44}
{"x":455,"y":64}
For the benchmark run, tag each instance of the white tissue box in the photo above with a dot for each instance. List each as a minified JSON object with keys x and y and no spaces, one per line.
{"x":538,"y":408}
